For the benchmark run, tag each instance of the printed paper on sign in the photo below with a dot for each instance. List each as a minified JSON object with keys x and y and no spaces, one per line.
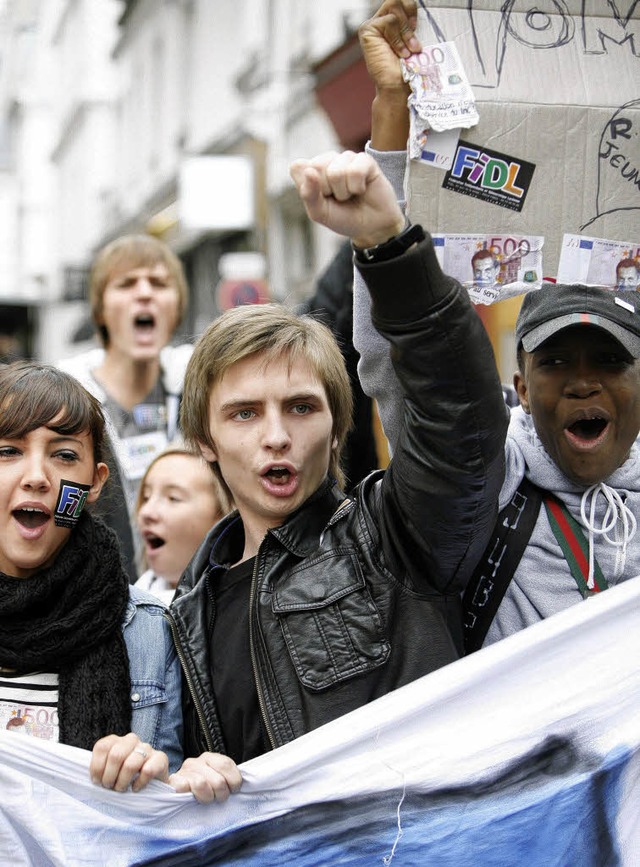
{"x":435,"y":148}
{"x":599,"y":262}
{"x":441,"y":95}
{"x":492,"y":267}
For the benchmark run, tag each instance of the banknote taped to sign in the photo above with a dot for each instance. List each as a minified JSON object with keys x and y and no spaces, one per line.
{"x":600,"y":262}
{"x":492,"y":267}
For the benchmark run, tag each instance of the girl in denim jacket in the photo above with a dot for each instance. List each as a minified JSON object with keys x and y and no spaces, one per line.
{"x":85,"y":659}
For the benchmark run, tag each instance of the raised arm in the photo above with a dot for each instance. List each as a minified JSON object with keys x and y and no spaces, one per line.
{"x":438,"y":500}
{"x":385,"y":38}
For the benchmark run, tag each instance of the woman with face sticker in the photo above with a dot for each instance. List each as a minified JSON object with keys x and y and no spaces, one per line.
{"x":85,"y":659}
{"x":179,"y":501}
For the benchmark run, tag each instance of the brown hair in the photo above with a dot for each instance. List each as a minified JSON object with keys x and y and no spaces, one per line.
{"x":124,"y":254}
{"x":33,"y":394}
{"x":274,"y":331}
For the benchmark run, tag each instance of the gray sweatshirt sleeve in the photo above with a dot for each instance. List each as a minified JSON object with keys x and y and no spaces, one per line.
{"x":376,"y":373}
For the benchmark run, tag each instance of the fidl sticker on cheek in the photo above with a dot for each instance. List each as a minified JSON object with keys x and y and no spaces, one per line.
{"x":71,"y":500}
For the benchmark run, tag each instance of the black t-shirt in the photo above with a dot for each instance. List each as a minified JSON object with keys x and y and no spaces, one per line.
{"x":233,"y":681}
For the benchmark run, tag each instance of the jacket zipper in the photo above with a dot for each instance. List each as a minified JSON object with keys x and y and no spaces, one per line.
{"x":342,"y":509}
{"x":194,"y":698}
{"x":254,"y":665}
{"x":344,"y":506}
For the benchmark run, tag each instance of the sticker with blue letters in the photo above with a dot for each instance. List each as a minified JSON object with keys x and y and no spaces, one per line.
{"x":71,"y":500}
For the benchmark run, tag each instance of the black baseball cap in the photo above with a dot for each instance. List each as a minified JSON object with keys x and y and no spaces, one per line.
{"x":557,"y":306}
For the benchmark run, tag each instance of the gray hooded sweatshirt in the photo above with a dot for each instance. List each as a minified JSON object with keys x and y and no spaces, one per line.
{"x":543,"y":583}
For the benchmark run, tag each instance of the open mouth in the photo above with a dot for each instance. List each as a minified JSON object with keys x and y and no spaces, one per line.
{"x":278,"y":475}
{"x":144,"y":322}
{"x":30,"y":518}
{"x":154,"y":542}
{"x":588,"y":429}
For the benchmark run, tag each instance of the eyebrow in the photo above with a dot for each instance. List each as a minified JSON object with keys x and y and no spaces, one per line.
{"x":173,"y":486}
{"x":64,"y":437}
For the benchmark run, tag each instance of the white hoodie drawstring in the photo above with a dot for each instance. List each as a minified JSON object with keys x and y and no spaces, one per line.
{"x":617,"y":512}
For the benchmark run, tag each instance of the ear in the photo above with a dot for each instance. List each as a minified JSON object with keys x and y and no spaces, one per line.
{"x":207,"y":453}
{"x":100,"y":476}
{"x":520,"y":386}
{"x":334,"y":444}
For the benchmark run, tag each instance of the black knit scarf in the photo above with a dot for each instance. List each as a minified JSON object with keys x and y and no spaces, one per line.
{"x":68,"y":619}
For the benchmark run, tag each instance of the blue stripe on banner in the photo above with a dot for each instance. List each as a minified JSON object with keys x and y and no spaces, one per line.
{"x":586,"y":244}
{"x":546,"y":811}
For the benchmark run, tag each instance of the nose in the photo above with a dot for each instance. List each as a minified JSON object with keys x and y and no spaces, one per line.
{"x":275,"y":433}
{"x":584,"y":381}
{"x":148,"y":510}
{"x":144,"y":289}
{"x":34,"y":477}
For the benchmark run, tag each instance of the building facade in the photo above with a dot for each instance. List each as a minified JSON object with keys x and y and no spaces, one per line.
{"x":103,"y":103}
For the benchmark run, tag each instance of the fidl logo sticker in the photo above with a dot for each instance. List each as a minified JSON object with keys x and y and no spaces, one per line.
{"x":72,"y":497}
{"x":490,"y":176}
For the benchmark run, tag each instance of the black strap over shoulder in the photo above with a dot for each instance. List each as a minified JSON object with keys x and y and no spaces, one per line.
{"x":499,"y":562}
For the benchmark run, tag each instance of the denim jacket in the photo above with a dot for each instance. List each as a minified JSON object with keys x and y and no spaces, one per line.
{"x":155,"y":676}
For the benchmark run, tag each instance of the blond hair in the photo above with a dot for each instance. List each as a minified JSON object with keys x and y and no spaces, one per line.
{"x":272,"y":331}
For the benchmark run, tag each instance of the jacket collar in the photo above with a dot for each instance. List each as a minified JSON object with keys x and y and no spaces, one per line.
{"x":301,"y":531}
{"x":299,"y":534}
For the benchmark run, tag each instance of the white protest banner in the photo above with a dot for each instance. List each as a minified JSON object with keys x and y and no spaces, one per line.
{"x":527,"y":752}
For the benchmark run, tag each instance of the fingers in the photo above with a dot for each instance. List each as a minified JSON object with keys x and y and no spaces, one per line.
{"x":347,"y":175}
{"x":209,"y":777}
{"x":120,"y":762}
{"x":393,"y":26}
{"x":349,"y":194}
{"x":397,"y":20}
{"x":332,"y":175}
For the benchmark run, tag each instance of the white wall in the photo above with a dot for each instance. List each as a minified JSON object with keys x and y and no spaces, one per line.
{"x":107,"y":115}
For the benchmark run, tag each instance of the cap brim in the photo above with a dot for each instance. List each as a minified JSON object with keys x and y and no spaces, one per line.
{"x":534,"y":338}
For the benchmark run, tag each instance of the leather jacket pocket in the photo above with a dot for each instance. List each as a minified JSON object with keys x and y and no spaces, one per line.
{"x":330,"y":622}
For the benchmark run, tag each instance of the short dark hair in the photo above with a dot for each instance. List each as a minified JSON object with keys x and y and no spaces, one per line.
{"x":483,"y":254}
{"x":32,"y":395}
{"x":627,"y":263}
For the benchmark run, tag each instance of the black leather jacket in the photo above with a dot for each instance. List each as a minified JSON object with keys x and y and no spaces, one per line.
{"x":352,"y":598}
